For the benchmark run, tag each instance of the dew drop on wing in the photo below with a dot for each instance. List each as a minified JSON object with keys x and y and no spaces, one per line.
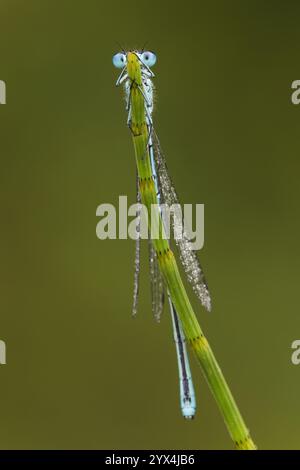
{"x":188,"y":257}
{"x":156,"y":284}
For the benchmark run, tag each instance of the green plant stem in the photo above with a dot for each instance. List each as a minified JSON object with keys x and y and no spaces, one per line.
{"x":212,"y":372}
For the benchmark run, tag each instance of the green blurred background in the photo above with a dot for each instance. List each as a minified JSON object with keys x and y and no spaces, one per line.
{"x":80,"y":372}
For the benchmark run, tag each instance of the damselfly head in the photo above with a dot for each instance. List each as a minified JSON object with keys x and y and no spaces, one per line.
{"x":147,"y":58}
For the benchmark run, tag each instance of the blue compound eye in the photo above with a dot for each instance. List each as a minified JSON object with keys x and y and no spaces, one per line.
{"x":119,"y":60}
{"x":149,"y":58}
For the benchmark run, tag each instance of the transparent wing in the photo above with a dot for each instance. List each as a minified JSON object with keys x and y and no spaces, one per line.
{"x":188,"y":256}
{"x":156,"y":283}
{"x":156,"y":280}
{"x":137,"y":256}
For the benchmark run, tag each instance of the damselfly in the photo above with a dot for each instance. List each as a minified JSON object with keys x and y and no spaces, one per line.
{"x":153,"y":187}
{"x":165,"y":193}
